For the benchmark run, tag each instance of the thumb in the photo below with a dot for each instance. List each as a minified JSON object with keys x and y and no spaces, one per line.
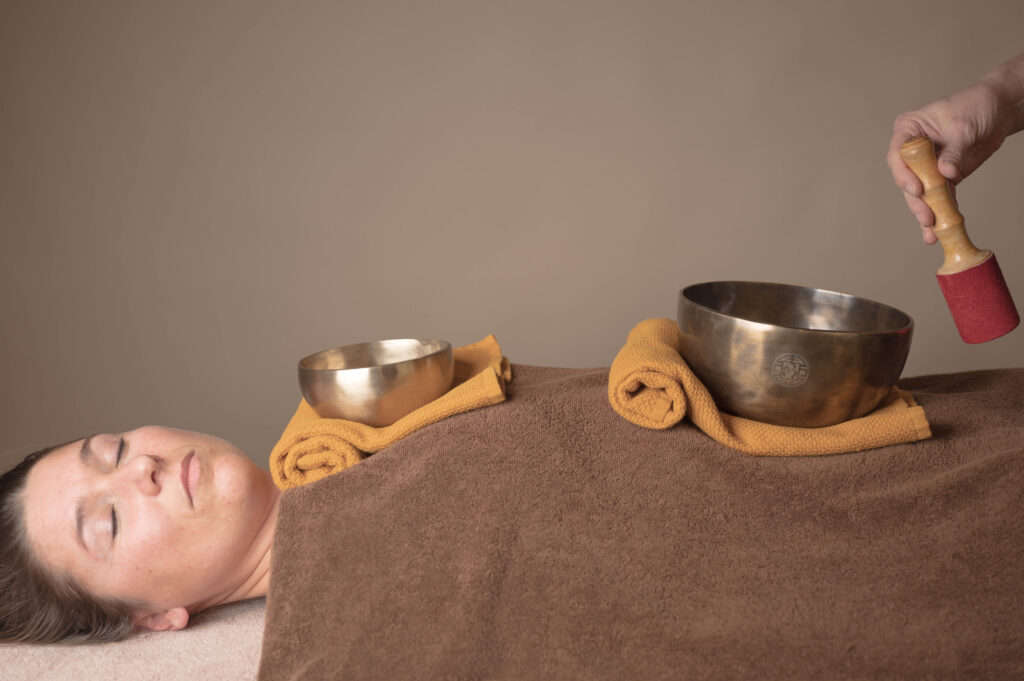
{"x":950,"y":162}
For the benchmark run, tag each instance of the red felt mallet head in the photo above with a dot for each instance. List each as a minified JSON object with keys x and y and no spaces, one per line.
{"x":970,"y":278}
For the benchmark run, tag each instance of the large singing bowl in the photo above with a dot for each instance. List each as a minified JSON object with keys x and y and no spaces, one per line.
{"x":790,"y":355}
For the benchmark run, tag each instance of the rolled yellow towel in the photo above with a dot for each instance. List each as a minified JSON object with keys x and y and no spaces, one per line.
{"x":650,"y":385}
{"x":312,"y":447}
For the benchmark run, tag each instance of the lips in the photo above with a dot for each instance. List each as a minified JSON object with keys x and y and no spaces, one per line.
{"x":186,"y":476}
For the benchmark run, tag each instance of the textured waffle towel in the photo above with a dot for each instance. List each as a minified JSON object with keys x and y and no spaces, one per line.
{"x":312,"y":447}
{"x":650,"y":385}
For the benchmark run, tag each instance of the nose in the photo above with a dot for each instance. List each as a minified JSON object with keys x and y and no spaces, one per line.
{"x":142,"y":473}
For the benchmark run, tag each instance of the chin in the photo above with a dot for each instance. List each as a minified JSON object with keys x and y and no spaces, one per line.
{"x":238,"y":480}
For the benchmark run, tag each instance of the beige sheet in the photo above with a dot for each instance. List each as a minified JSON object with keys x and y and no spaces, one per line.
{"x":219,"y":644}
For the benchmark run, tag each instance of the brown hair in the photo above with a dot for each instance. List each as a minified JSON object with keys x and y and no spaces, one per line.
{"x":36,"y":605}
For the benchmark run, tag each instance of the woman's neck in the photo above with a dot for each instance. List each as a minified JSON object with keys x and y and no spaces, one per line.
{"x":255,"y":575}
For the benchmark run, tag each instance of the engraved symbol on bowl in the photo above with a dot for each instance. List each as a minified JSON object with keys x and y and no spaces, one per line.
{"x":790,"y":370}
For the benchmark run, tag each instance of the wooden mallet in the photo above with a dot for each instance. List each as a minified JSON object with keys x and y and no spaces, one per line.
{"x":970,"y":278}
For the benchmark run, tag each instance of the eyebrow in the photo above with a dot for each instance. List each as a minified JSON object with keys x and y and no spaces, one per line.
{"x":85,"y":454}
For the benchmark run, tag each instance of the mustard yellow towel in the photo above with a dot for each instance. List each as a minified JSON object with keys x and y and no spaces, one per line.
{"x":650,"y":385}
{"x":312,"y":447}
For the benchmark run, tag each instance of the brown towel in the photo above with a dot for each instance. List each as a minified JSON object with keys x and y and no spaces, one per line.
{"x":312,"y":447}
{"x":650,"y":385}
{"x":548,"y":538}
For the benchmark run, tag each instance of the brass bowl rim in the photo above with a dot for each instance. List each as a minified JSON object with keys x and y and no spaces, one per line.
{"x":901,"y":329}
{"x":444,"y":348}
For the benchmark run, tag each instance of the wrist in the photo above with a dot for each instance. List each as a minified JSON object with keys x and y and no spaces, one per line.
{"x":1006,"y":82}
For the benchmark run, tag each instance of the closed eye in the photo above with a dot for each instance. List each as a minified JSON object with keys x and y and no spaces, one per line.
{"x":113,"y":510}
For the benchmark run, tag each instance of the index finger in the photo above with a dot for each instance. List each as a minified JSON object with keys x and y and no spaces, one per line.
{"x":905,"y":178}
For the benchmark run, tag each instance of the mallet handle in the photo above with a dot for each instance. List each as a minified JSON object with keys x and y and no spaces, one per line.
{"x":919,"y":155}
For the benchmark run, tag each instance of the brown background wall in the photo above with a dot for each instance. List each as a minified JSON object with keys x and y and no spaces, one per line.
{"x":194,"y":195}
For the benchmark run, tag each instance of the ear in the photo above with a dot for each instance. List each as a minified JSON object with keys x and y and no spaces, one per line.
{"x":165,"y":620}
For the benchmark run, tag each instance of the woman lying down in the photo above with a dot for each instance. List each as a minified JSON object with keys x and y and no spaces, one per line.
{"x":110,"y":534}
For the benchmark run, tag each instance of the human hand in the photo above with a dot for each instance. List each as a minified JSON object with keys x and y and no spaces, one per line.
{"x":966,"y":127}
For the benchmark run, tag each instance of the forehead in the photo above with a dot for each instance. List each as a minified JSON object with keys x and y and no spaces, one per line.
{"x":48,"y":504}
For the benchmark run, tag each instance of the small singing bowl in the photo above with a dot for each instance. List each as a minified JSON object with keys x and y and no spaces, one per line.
{"x":379,"y":382}
{"x":790,"y":355}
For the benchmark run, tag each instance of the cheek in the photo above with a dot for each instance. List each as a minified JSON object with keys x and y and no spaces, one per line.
{"x":154,"y":539}
{"x":155,"y":439}
{"x":160,"y":554}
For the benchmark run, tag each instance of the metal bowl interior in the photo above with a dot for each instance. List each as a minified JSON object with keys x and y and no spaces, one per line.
{"x":797,"y":307}
{"x":377,"y":382}
{"x":792,"y":355}
{"x":373,"y":354}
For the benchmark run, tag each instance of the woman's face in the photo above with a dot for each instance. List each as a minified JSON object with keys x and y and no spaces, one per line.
{"x":164,"y":517}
